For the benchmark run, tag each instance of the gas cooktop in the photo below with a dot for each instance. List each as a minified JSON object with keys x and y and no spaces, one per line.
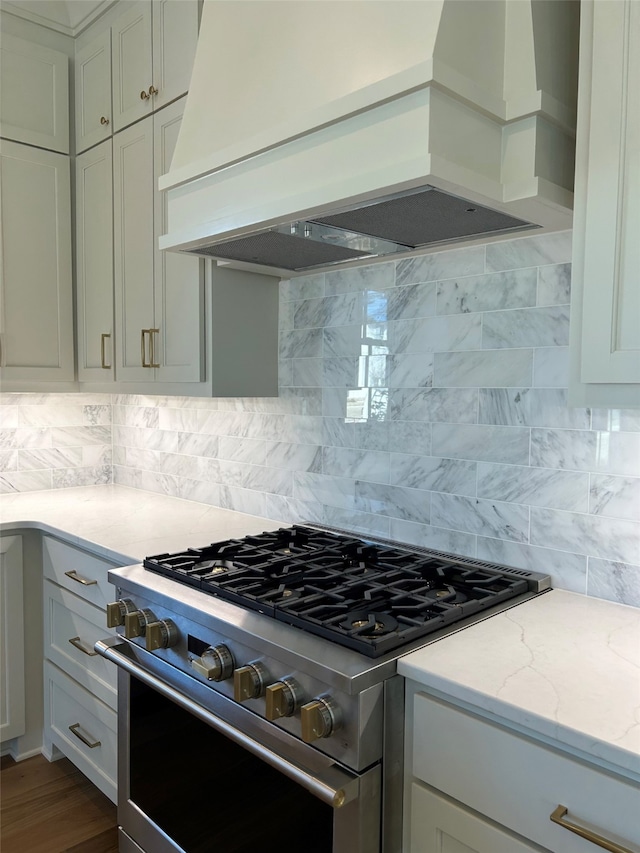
{"x":370,"y":597}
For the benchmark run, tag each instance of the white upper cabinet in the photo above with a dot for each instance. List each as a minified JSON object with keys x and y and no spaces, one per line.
{"x":35,"y":284}
{"x":153,"y":47}
{"x":34,"y":94}
{"x":93,"y":92}
{"x":606,"y":243}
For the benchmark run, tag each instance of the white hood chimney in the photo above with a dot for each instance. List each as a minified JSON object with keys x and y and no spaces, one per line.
{"x":322,"y":131}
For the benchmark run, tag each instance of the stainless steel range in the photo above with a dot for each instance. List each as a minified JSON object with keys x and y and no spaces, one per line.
{"x":259,"y":704}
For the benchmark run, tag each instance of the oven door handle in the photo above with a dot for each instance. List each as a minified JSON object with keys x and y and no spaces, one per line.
{"x":336,"y":791}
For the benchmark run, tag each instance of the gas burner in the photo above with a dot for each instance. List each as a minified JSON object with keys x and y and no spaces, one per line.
{"x":366,"y":624}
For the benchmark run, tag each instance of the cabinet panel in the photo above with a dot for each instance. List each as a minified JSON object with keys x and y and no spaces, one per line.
{"x":440,"y":826}
{"x":133,"y":248}
{"x":94,"y":263}
{"x":175,"y":35}
{"x":35,"y":224}
{"x":12,"y":695}
{"x":77,"y":570}
{"x":93,"y":92}
{"x":34,"y":94}
{"x":179,"y":279}
{"x":131,"y":64}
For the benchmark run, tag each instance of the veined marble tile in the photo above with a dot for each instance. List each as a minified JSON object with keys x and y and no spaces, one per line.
{"x":119,"y":455}
{"x":490,"y":292}
{"x":568,"y":571}
{"x":616,"y":420}
{"x":147,"y":460}
{"x":369,"y":465}
{"x":9,"y":460}
{"x":438,"y":538}
{"x":437,"y":265}
{"x":162,"y":484}
{"x":526,"y":327}
{"x":509,"y":445}
{"x":307,"y":372}
{"x":339,"y":372}
{"x":242,"y":500}
{"x":608,"y":538}
{"x":372,"y":371}
{"x":436,"y":334}
{"x":291,"y":511}
{"x":530,"y":251}
{"x":482,"y":517}
{"x":30,"y":437}
{"x":195,"y":444}
{"x":124,"y":476}
{"x":349,"y":341}
{"x":531,"y":407}
{"x":371,"y":277}
{"x":94,"y":456}
{"x":80,"y":436}
{"x":249,"y":450}
{"x":433,"y":474}
{"x":371,"y":435}
{"x":534,"y":486}
{"x":286,"y":311}
{"x":617,"y":497}
{"x":180,"y":420}
{"x":341,"y":310}
{"x":500,"y":368}
{"x":303,"y":287}
{"x":179,"y":465}
{"x":9,"y":416}
{"x":294,"y":457}
{"x":66,"y":478}
{"x":25,"y":481}
{"x":67,"y":457}
{"x":334,"y":402}
{"x":411,"y":370}
{"x":137,"y":416}
{"x":50,"y":416}
{"x":362,"y":523}
{"x":452,"y":405}
{"x":554,"y":284}
{"x":394,"y":501}
{"x":299,"y":429}
{"x":324,"y":489}
{"x":336,"y":432}
{"x":410,"y":301}
{"x":301,"y":343}
{"x":197,"y":490}
{"x":9,"y":439}
{"x":551,"y":367}
{"x":97,"y":415}
{"x":285,"y":372}
{"x":614,"y":581}
{"x":587,"y":450}
{"x":410,"y":435}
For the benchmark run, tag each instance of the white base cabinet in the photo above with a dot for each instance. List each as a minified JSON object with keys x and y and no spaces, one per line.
{"x":12,"y":669}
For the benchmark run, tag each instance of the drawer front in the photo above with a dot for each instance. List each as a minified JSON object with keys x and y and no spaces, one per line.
{"x":83,"y":728}
{"x":77,"y":570}
{"x":71,"y":629}
{"x":518,"y":782}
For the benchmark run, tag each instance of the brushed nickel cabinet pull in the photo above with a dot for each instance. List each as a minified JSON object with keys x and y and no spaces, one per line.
{"x":103,"y":360}
{"x":558,"y":816}
{"x":77,"y":642}
{"x":153,"y":332}
{"x":79,"y":579}
{"x":75,"y":729}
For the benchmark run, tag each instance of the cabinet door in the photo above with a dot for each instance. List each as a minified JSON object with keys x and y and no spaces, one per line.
{"x":175,"y":35}
{"x":93,"y":92}
{"x":12,"y":705}
{"x":34,"y":94}
{"x":36,"y":285}
{"x":131,"y":64}
{"x":94,"y":263}
{"x":133,"y":250}
{"x":179,"y":288}
{"x":439,"y":825}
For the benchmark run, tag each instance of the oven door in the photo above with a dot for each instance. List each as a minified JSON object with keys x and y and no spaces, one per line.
{"x":197,"y":772}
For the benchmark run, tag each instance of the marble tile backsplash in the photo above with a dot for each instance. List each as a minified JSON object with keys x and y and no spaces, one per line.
{"x":422,"y":400}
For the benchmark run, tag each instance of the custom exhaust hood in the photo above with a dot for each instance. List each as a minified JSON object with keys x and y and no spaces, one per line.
{"x":318,"y":132}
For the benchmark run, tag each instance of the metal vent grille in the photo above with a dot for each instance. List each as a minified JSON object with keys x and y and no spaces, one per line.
{"x":273,"y":249}
{"x":418,"y":219}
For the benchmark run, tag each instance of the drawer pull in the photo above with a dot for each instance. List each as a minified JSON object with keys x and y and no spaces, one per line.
{"x":75,"y":729}
{"x":79,"y":579}
{"x":558,"y":816}
{"x":77,"y":642}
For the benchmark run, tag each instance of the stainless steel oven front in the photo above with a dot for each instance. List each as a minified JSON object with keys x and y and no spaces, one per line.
{"x":199,"y":773}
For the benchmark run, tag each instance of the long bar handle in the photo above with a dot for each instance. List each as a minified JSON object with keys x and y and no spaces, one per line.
{"x":79,"y":579}
{"x":153,"y":332}
{"x":143,"y":349}
{"x":558,"y":816}
{"x":103,"y":359}
{"x":77,"y":642}
{"x":75,"y":729}
{"x":325,"y":792}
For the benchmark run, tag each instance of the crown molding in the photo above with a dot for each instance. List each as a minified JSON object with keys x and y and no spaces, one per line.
{"x":19,"y":11}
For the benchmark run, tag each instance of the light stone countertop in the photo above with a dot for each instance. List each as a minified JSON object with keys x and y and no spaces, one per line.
{"x":561,"y":665}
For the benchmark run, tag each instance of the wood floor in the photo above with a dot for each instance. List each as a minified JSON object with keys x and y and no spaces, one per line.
{"x":50,"y":807}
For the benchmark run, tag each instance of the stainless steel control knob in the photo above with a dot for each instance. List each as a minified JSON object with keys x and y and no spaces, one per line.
{"x":135,"y":623}
{"x":161,"y":634}
{"x":283,"y":698}
{"x":249,"y":681}
{"x":319,"y":718}
{"x":215,"y":663}
{"x":117,"y":610}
